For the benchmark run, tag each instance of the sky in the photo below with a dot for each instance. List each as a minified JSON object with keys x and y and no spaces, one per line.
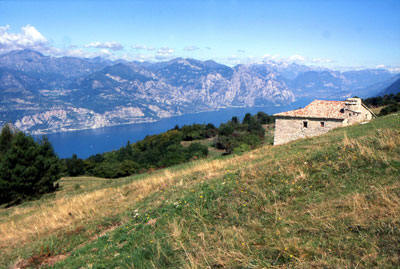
{"x":330,"y":33}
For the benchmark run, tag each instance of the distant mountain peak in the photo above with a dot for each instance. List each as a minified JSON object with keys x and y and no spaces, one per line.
{"x":26,"y":53}
{"x":48,"y":94}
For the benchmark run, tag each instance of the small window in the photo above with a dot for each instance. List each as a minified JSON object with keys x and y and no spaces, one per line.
{"x":350,"y":114}
{"x":305,"y":124}
{"x":342,"y":110}
{"x":322,"y":124}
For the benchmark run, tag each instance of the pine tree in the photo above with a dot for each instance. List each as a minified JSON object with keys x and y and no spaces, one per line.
{"x":5,"y":138}
{"x":75,"y":166}
{"x":27,"y":168}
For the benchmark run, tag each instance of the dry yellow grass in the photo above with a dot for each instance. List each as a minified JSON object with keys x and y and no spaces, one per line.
{"x":378,"y":109}
{"x":66,"y":212}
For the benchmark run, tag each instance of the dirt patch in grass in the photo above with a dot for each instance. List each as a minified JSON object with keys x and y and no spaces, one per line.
{"x":46,"y":258}
{"x":38,"y":261}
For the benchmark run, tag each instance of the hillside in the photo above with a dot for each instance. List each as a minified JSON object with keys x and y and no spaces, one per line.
{"x":330,"y":201}
{"x":394,"y":88}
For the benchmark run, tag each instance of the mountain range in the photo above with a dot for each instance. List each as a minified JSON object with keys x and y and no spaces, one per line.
{"x":45,"y":94}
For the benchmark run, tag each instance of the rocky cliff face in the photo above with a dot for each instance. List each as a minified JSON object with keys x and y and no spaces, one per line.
{"x":42,"y":94}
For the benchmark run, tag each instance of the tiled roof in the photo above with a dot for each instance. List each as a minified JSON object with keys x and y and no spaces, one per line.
{"x":318,"y":109}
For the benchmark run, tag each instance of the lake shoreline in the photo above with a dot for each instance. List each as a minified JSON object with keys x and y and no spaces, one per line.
{"x":89,"y":142}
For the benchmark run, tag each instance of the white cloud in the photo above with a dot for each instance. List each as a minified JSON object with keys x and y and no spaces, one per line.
{"x":270,"y":57}
{"x":240,"y":59}
{"x":33,"y":35}
{"x":144,"y":57}
{"x":190,"y":48}
{"x":243,"y":58}
{"x":105,"y":45}
{"x":139,"y":47}
{"x":296,"y":58}
{"x":83,"y":53}
{"x":142,"y":47}
{"x":4,"y":28}
{"x":165,"y":50}
{"x":164,"y":53}
{"x":29,"y":37}
{"x":77,"y":53}
{"x":394,"y":69}
{"x":105,"y":52}
{"x":321,"y":61}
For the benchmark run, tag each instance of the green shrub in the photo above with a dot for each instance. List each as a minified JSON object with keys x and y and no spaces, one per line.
{"x":242,"y":148}
{"x":75,"y":166}
{"x":197,"y":150}
{"x":234,"y":136}
{"x":27,"y":168}
{"x":393,"y":108}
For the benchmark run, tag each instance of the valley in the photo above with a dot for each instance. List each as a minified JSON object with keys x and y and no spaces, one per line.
{"x":44,"y":94}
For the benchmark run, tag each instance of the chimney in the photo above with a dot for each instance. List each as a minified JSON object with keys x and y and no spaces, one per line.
{"x":353,"y":104}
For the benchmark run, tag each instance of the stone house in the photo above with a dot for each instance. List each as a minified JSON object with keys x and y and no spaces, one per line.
{"x":319,"y":117}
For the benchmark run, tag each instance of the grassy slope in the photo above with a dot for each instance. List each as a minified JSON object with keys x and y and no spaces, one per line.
{"x":378,"y":109}
{"x":212,"y":152}
{"x":330,"y":201}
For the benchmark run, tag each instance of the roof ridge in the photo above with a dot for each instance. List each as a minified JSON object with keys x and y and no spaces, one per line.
{"x":327,"y":101}
{"x":318,"y":109}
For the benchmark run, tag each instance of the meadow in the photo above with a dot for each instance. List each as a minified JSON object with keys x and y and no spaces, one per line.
{"x":331,"y":201}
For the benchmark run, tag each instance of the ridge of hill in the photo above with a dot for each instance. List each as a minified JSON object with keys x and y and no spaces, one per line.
{"x":394,"y":88}
{"x":329,"y":201}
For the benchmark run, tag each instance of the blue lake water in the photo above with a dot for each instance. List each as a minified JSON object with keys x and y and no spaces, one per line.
{"x":89,"y":142}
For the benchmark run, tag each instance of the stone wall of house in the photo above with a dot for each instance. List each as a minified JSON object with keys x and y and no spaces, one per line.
{"x":361,"y":114}
{"x":288,"y":129}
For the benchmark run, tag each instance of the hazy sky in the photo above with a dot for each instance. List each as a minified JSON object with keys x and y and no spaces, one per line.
{"x":330,"y":33}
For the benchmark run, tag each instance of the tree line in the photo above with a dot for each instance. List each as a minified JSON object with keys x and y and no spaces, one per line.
{"x":166,"y":149}
{"x":390,"y":101}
